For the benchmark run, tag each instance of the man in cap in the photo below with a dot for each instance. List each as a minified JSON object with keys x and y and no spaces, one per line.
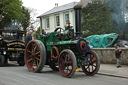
{"x":28,"y":37}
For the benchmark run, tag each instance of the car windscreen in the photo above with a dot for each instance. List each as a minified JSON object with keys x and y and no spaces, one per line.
{"x":11,"y":35}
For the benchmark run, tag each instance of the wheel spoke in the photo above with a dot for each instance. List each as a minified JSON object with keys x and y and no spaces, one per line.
{"x":29,"y":60}
{"x":37,"y":52}
{"x":32,"y":67}
{"x":32,"y":45}
{"x":65,"y":58}
{"x":37,"y":58}
{"x":91,"y":57}
{"x":29,"y":51}
{"x":29,"y":56}
{"x":87,"y":66}
{"x":93,"y":61}
{"x":89,"y":69}
{"x":34,"y":63}
{"x":66,"y":69}
{"x":94,"y":65}
{"x":37,"y":63}
{"x":35,"y":47}
{"x":70,"y":61}
{"x":38,"y":55}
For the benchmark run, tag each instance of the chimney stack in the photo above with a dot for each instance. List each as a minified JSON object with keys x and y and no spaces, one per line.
{"x":56,"y":4}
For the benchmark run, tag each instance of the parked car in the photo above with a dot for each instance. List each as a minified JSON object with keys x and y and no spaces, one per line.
{"x":122,"y":43}
{"x":12,"y":46}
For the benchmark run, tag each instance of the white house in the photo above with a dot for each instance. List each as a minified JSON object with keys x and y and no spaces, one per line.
{"x":58,"y":17}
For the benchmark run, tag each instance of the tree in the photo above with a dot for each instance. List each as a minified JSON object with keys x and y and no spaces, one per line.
{"x":119,"y":9}
{"x":26,"y":21}
{"x":34,"y":22}
{"x":96,"y":19}
{"x":10,"y":10}
{"x":36,"y":35}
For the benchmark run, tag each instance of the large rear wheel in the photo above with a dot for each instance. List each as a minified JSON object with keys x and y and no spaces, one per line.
{"x":35,"y":56}
{"x":93,"y":63}
{"x":67,"y":63}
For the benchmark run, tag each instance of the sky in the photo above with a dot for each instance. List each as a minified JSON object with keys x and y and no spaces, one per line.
{"x":43,"y":6}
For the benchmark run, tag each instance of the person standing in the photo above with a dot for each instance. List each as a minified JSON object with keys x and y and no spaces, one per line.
{"x":88,"y":46}
{"x":28,"y":38}
{"x":118,"y":56}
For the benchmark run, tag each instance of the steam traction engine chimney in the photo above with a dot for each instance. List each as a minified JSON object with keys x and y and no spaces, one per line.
{"x":78,"y":22}
{"x":78,"y":7}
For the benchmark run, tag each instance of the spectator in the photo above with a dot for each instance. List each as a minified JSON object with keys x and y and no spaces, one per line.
{"x":88,"y":48}
{"x":43,"y":32}
{"x":118,"y":56}
{"x":28,"y":38}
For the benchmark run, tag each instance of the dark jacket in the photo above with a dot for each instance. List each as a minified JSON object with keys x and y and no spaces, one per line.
{"x":118,"y":53}
{"x":88,"y":47}
{"x":27,"y":39}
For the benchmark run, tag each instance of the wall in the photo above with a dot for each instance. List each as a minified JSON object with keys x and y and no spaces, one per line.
{"x":107,"y":55}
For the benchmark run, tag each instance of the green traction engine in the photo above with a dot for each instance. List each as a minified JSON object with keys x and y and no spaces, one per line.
{"x":62,"y":50}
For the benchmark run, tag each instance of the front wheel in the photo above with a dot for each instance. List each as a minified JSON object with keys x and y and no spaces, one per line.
{"x":93,"y":63}
{"x":67,"y":63}
{"x":2,"y":60}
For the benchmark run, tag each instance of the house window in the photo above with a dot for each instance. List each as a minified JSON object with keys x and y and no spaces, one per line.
{"x":66,"y":17}
{"x":47,"y":23}
{"x":57,"y":21}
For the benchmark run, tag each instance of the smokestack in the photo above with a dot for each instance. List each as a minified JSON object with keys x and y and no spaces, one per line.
{"x":78,"y":21}
{"x":78,"y":9}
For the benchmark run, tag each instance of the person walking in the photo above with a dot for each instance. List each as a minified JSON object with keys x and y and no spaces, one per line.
{"x":118,"y":56}
{"x":28,"y":38}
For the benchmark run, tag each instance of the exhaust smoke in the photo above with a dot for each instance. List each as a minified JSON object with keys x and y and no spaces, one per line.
{"x":82,"y":3}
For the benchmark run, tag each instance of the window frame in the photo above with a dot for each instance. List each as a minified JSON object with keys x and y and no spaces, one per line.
{"x":55,"y":17}
{"x":65,"y":17}
{"x":47,"y":23}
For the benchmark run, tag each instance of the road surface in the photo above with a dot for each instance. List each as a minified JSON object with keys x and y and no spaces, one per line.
{"x":16,"y":75}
